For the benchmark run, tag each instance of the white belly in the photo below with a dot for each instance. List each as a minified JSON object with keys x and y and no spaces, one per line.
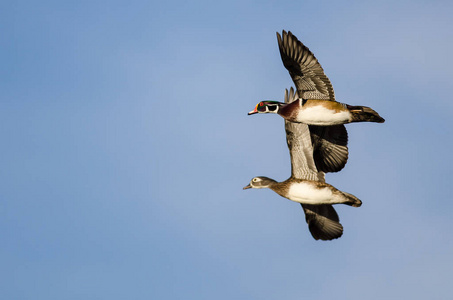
{"x":306,"y":193}
{"x":322,"y":116}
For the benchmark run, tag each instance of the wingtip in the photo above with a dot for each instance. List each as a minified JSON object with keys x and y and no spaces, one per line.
{"x":279,"y":38}
{"x":335,"y":231}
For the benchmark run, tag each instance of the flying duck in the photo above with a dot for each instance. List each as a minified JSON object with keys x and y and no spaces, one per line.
{"x":307,"y":184}
{"x":316,"y":104}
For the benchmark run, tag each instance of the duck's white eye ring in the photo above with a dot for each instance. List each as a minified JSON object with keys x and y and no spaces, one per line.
{"x":255,"y":179}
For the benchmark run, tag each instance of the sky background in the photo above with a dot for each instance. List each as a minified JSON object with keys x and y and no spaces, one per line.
{"x":125,"y":144}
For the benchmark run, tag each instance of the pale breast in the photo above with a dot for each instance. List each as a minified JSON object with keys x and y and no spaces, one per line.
{"x":322,"y":116}
{"x":309,"y":193}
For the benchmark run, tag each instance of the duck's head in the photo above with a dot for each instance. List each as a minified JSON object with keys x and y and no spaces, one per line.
{"x":265,"y":107}
{"x":259,"y":182}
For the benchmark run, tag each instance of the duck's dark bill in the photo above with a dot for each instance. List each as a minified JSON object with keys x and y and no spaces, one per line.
{"x":247,"y":187}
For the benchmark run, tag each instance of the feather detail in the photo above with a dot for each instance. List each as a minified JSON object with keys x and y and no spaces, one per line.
{"x":323,"y":222}
{"x":304,"y":68}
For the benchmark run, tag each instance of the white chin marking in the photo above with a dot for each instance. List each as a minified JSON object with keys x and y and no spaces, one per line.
{"x":306,"y":193}
{"x":319,"y":115}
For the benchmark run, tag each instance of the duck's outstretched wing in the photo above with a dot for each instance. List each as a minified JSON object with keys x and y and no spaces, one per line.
{"x":300,"y":147}
{"x":330,"y":147}
{"x":304,"y":68}
{"x":329,"y":142}
{"x":323,"y":222}
{"x":326,"y":146}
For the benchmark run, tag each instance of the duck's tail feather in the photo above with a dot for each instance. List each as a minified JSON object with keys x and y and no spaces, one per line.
{"x":364,"y":114}
{"x":353,"y":200}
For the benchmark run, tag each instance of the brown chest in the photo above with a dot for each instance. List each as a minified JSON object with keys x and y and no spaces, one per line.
{"x":290,"y":110}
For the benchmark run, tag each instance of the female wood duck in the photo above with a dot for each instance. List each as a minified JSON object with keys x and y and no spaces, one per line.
{"x":307,"y":184}
{"x":316,"y":105}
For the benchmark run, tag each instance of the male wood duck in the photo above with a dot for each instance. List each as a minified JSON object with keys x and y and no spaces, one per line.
{"x":307,"y":184}
{"x":316,"y":105}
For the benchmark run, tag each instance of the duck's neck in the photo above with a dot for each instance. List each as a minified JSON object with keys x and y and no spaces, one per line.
{"x":278,"y":187}
{"x":289,"y":110}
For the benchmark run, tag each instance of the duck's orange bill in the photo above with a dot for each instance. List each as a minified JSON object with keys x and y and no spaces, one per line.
{"x":254,"y":111}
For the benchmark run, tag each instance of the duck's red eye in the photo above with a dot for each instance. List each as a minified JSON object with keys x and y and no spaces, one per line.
{"x":261,"y":103}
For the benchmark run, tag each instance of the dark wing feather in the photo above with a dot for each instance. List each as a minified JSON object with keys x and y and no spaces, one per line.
{"x":330,"y":147}
{"x":323,"y":222}
{"x":304,"y":68}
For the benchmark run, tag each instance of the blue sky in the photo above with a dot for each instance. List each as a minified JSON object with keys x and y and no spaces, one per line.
{"x":126,"y":143}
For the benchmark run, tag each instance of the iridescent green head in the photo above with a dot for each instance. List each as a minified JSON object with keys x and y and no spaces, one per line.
{"x":266,"y":107}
